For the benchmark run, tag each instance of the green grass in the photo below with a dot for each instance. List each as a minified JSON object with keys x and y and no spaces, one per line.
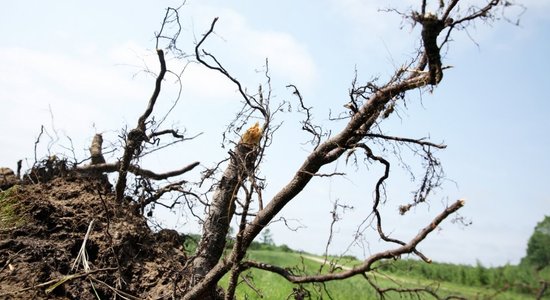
{"x":273,"y":286}
{"x":11,"y":212}
{"x":516,"y":279}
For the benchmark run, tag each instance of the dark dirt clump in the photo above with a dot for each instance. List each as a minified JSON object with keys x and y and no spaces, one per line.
{"x":43,"y":224}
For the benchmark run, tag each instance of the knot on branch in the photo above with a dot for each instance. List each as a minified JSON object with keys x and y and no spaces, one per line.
{"x":431,"y":28}
{"x":136,"y":135}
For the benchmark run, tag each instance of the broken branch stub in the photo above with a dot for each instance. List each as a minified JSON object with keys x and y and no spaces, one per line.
{"x":215,"y":228}
{"x":95,"y":150}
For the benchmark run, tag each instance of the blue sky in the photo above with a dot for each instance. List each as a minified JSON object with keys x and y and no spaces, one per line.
{"x":76,"y":68}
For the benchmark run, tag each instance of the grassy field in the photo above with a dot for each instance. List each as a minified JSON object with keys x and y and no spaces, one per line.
{"x":272,"y":286}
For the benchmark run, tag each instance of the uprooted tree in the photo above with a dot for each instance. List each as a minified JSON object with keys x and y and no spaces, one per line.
{"x":236,"y":192}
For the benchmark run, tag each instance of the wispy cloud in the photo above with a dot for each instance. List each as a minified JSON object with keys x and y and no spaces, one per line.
{"x":240,"y":44}
{"x":61,"y":92}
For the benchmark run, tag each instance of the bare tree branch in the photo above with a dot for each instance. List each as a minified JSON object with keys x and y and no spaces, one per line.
{"x":38,"y":142}
{"x":218,"y":67}
{"x":420,"y":141}
{"x":137,"y":135}
{"x":325,"y":153}
{"x":307,"y":125}
{"x":238,"y":246}
{"x":327,"y":175}
{"x":222,"y":208}
{"x":173,"y":187}
{"x":136,"y":170}
{"x":173,"y":132}
{"x":366,"y":266}
{"x":418,"y":292}
{"x":370,"y":104}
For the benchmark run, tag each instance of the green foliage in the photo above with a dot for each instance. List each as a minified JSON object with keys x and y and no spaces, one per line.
{"x":272,"y":286}
{"x":538,"y":247}
{"x":349,"y":257}
{"x":267,"y":237}
{"x":190,"y":243}
{"x":513,"y":278}
{"x":257,"y":246}
{"x":285,"y":248}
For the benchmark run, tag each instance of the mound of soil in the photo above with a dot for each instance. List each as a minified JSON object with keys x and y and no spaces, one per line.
{"x":44,"y":226}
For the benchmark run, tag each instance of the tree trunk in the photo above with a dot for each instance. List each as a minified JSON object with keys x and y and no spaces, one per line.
{"x":222,"y":208}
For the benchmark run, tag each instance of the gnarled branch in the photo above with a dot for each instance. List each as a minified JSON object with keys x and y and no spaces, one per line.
{"x":137,"y":135}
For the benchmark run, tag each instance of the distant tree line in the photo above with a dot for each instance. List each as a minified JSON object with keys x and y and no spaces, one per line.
{"x":531,"y":276}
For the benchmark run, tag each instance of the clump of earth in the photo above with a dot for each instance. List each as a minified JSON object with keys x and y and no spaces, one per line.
{"x":64,"y":236}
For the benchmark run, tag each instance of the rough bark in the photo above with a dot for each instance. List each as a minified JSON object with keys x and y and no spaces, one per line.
{"x":222,"y":208}
{"x":431,"y":28}
{"x":95,"y":150}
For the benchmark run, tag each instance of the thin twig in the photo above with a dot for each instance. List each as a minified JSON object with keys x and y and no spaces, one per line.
{"x":420,"y":141}
{"x":218,"y":67}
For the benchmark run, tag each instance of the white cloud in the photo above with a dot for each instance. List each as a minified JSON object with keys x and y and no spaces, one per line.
{"x":89,"y":86}
{"x":77,"y":93}
{"x":59,"y":91}
{"x":376,"y":17}
{"x":285,"y":55}
{"x":239,"y":48}
{"x":289,"y":59}
{"x":197,"y":81}
{"x":63,"y":72}
{"x":536,"y":4}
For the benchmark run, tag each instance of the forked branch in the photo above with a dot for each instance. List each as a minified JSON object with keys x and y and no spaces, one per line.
{"x":218,"y":67}
{"x":137,"y":135}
